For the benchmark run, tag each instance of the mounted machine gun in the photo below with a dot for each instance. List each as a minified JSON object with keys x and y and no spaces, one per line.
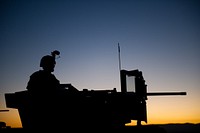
{"x":133,"y":83}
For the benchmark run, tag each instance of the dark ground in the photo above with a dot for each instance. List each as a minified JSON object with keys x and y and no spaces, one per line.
{"x":166,"y":128}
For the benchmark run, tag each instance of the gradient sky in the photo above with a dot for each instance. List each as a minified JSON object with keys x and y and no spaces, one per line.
{"x":159,"y":37}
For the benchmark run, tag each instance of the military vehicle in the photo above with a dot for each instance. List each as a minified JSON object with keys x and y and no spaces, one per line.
{"x":86,"y":109}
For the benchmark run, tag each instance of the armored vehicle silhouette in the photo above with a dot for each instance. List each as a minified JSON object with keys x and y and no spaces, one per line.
{"x":86,"y":109}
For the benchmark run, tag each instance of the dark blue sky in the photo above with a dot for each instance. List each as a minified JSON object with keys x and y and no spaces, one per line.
{"x":159,"y":37}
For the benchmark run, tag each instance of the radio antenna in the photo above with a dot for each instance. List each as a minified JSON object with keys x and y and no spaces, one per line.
{"x":119,"y":57}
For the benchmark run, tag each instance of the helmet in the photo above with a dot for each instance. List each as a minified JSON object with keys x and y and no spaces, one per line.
{"x":46,"y":60}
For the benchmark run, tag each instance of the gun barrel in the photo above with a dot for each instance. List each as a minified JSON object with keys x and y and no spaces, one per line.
{"x":165,"y":93}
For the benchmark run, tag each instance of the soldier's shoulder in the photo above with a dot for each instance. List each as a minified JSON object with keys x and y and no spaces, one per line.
{"x":36,"y":73}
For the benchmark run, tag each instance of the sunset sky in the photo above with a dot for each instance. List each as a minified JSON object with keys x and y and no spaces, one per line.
{"x":161,"y":38}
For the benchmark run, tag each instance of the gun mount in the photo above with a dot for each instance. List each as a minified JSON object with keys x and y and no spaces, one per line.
{"x":86,"y":109}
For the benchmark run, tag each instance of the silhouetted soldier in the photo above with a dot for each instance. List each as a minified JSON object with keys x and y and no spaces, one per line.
{"x":43,"y":80}
{"x":47,"y":95}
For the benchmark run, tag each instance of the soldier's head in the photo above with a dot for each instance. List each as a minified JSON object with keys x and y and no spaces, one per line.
{"x":48,"y":63}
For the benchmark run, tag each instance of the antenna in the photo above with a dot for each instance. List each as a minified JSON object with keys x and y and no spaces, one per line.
{"x":119,"y":57}
{"x":120,"y":74}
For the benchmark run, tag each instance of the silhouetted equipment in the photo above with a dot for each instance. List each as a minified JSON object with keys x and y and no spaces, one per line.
{"x":54,"y":53}
{"x":4,"y":110}
{"x":86,"y":108}
{"x":70,"y":108}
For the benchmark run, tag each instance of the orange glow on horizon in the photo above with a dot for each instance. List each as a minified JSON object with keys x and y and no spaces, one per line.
{"x":11,"y":118}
